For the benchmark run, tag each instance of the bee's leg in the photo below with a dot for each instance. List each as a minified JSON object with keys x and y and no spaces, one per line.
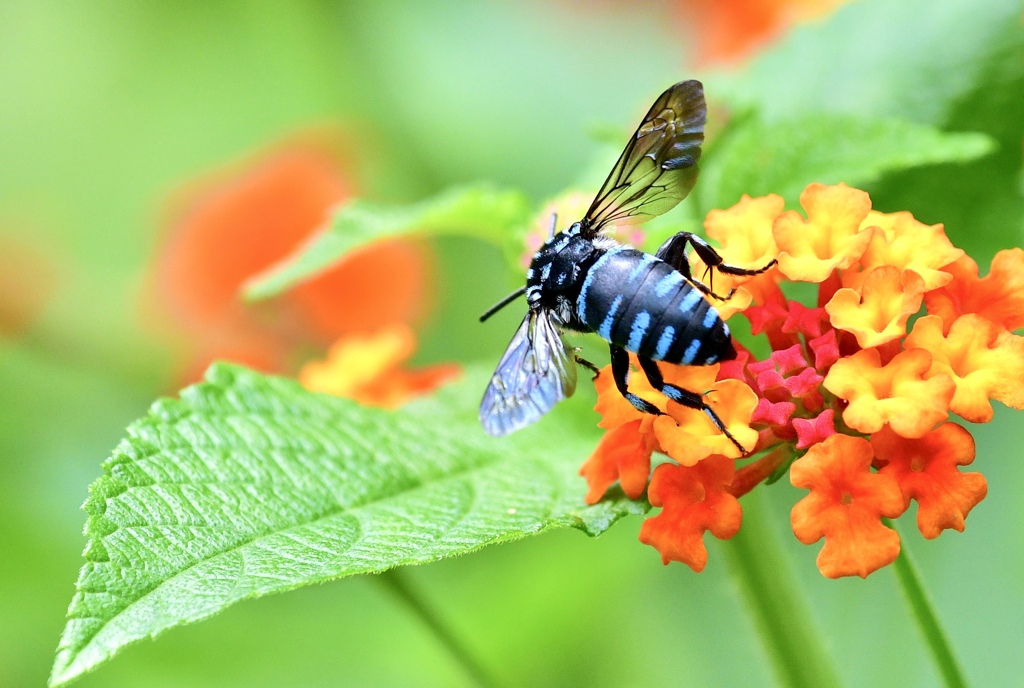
{"x":685,"y":397}
{"x":673,"y":252}
{"x":620,"y":370}
{"x":588,"y":365}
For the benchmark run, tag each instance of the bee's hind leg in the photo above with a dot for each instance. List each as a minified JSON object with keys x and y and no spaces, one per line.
{"x":673,"y":252}
{"x":620,"y":370}
{"x":685,"y":397}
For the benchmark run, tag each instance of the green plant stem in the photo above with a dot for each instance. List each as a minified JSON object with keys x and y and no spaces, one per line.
{"x":393,"y":581}
{"x":780,"y":612}
{"x":927,"y":620}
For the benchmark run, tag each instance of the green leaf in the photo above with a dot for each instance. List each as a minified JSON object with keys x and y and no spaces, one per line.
{"x":478,"y":211}
{"x":757,"y":157}
{"x":249,"y":485}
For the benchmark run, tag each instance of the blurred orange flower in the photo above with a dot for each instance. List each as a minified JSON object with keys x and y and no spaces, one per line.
{"x":28,"y":278}
{"x":726,"y":31}
{"x":246,"y":219}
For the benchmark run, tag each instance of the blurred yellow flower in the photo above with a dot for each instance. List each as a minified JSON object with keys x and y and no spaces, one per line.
{"x":367,"y":368}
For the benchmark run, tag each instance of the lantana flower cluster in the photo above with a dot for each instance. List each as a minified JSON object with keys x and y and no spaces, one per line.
{"x":854,"y":400}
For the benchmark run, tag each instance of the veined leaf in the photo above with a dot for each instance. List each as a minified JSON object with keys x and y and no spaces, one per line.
{"x":249,"y":485}
{"x":783,"y":157}
{"x":478,"y":211}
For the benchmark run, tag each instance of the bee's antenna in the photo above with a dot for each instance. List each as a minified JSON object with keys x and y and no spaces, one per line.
{"x":554,"y":225}
{"x":504,"y":302}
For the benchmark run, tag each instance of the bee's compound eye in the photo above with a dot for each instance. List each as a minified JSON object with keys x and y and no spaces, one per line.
{"x":533,"y":297}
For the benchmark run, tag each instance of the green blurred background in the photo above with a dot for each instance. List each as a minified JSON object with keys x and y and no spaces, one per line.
{"x":108,"y":108}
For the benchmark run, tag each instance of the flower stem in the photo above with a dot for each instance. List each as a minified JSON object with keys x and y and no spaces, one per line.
{"x":927,"y":620}
{"x":781,"y":614}
{"x":393,"y":581}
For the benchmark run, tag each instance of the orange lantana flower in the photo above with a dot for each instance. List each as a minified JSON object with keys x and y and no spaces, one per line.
{"x":695,"y":500}
{"x":984,"y":361}
{"x":744,"y":231}
{"x":899,"y":393}
{"x":926,"y":470}
{"x":831,"y":237}
{"x":685,"y":434}
{"x":688,"y":435}
{"x":997,"y":297}
{"x":367,"y":368}
{"x":623,"y":455}
{"x":846,"y":506}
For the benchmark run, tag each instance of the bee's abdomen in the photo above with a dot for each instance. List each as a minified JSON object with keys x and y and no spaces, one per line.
{"x":642,"y":304}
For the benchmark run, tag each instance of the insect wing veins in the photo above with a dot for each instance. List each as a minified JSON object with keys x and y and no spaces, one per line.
{"x":658,"y":167}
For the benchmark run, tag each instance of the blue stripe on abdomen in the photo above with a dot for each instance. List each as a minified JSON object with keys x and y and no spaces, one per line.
{"x":691,"y":352}
{"x":668,"y":284}
{"x":664,"y":342}
{"x":605,"y":330}
{"x":638,"y":330}
{"x":690,"y":301}
{"x":642,"y":266}
{"x":710,"y":319}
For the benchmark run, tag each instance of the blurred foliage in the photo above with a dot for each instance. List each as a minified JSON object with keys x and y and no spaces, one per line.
{"x":107,"y":108}
{"x":758,"y":158}
{"x":498,"y":217}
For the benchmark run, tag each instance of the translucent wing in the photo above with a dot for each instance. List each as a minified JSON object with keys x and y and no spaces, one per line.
{"x":658,"y":168}
{"x":537,"y":371}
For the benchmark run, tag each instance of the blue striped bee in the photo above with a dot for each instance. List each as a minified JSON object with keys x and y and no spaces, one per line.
{"x":584,"y":281}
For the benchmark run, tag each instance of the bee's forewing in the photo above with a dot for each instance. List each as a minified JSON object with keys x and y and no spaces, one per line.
{"x":658,"y":167}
